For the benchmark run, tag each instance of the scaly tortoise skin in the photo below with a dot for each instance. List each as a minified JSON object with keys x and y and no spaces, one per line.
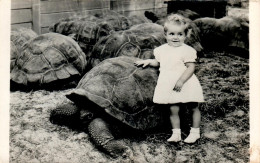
{"x":48,"y":59}
{"x":19,"y":36}
{"x":116,"y":91}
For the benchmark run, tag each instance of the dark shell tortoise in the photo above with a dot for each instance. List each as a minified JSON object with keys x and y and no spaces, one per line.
{"x":121,"y":93}
{"x":48,"y":58}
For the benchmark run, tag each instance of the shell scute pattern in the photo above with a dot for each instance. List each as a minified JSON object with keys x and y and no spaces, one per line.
{"x":48,"y":77}
{"x":47,"y":58}
{"x":134,"y":95}
{"x":54,"y":57}
{"x":33,"y":77}
{"x":138,"y":41}
{"x":19,"y":37}
{"x":123,"y":90}
{"x":88,"y":29}
{"x":71,"y":69}
{"x":129,"y":49}
{"x":145,"y":88}
{"x":103,"y":90}
{"x":37,"y":66}
{"x":62,"y":73}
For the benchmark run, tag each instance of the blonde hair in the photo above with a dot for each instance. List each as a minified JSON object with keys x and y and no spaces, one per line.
{"x":179,"y":20}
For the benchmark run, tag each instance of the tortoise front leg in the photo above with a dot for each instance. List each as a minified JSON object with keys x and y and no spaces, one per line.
{"x":70,"y":115}
{"x":101,"y":134}
{"x":66,"y":114}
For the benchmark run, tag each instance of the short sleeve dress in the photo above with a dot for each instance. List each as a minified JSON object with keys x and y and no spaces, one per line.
{"x":172,"y":65}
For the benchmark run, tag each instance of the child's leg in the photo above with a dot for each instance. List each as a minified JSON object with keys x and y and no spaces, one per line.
{"x":195,"y":130}
{"x":175,"y":121}
{"x":196,"y":117}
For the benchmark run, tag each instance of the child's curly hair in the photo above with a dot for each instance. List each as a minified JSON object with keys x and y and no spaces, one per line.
{"x":177,"y":19}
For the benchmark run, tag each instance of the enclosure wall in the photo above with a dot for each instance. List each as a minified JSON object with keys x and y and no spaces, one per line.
{"x":40,"y":14}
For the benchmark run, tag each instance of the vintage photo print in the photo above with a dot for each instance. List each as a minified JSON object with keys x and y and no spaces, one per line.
{"x":129,"y":81}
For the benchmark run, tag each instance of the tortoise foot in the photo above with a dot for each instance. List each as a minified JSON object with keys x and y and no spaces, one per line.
{"x":117,"y":148}
{"x":102,"y":137}
{"x":65,"y":114}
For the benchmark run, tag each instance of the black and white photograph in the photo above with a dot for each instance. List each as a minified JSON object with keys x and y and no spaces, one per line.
{"x":130,"y":81}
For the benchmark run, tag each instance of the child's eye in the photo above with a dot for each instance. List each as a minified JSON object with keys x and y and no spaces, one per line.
{"x":180,"y":34}
{"x":171,"y":34}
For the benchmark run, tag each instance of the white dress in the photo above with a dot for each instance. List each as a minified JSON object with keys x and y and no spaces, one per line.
{"x":172,"y":65}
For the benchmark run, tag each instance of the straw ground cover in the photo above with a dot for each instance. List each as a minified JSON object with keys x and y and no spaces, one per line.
{"x":225,"y":126}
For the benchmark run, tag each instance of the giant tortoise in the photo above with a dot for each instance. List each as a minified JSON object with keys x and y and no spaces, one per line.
{"x":19,"y":36}
{"x":88,"y":29}
{"x":47,"y":60}
{"x":121,"y":94}
{"x":139,"y":41}
{"x":223,"y":33}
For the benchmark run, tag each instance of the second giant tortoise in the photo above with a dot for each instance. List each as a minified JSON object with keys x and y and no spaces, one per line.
{"x":139,"y":41}
{"x":47,"y":59}
{"x":120,"y":92}
{"x":88,"y":29}
{"x":223,"y":33}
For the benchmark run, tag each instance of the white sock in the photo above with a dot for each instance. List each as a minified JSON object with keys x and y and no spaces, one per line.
{"x":193,"y":136}
{"x":176,"y":135}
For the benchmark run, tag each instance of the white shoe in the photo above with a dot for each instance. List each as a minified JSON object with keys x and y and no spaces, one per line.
{"x":176,"y":136}
{"x":193,"y":136}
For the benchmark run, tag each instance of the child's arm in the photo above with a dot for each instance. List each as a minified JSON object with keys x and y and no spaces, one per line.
{"x":185,"y":76}
{"x":150,"y":62}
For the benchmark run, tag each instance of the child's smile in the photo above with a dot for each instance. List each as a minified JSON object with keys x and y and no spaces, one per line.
{"x":175,"y":35}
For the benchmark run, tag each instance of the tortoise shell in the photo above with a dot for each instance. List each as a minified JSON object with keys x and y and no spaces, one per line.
{"x":224,"y":32}
{"x":139,"y":41}
{"x":137,"y":18}
{"x":47,"y":58}
{"x":19,"y":36}
{"x":88,"y":29}
{"x":122,"y":90}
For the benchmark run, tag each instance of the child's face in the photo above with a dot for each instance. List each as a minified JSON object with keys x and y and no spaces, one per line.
{"x":175,"y":35}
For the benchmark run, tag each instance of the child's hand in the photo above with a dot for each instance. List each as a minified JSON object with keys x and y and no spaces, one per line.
{"x":178,"y":86}
{"x":142,"y":62}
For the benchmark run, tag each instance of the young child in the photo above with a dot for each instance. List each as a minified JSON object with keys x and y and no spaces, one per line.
{"x":177,"y":83}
